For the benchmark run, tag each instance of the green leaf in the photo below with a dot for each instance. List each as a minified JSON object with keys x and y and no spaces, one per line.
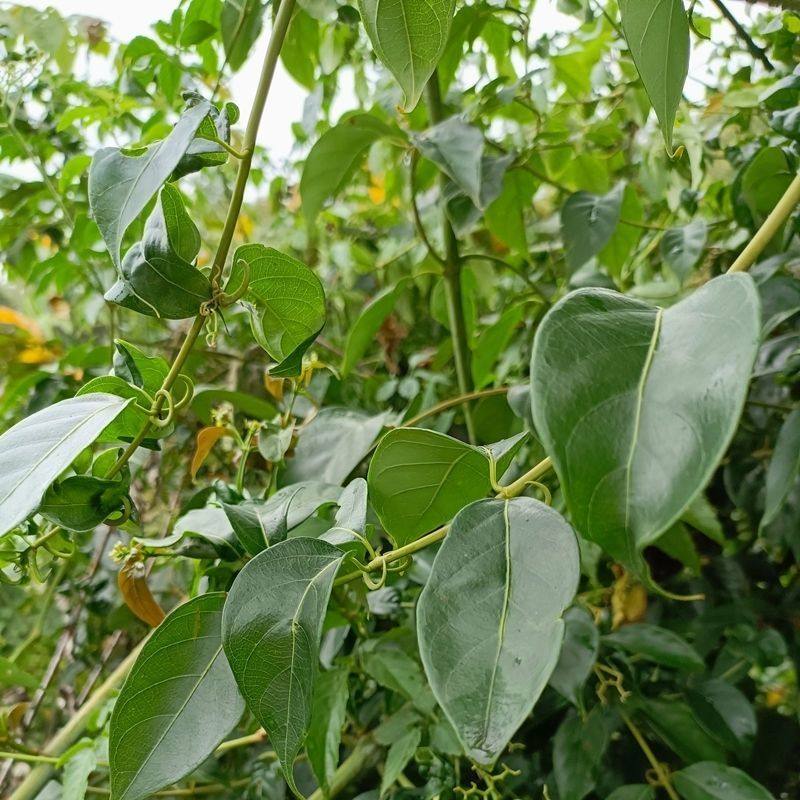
{"x":578,"y":748}
{"x":135,"y":367}
{"x":457,"y":149}
{"x":783,"y":467}
{"x":588,"y":222}
{"x":711,"y":781}
{"x":204,"y":151}
{"x":726,"y":714}
{"x":637,"y":425}
{"x":578,"y":654}
{"x":327,"y":719}
{"x":409,"y":37}
{"x":657,"y":32}
{"x":681,"y":248}
{"x":35,"y":451}
{"x":156,"y":276}
{"x":272,"y":626}
{"x":419,"y":479}
{"x":287,"y":303}
{"x":492,"y":342}
{"x":656,"y":644}
{"x":333,"y":445}
{"x":240,"y":24}
{"x":81,"y":763}
{"x":120,"y":186}
{"x":674,"y":722}
{"x":392,"y":667}
{"x":634,"y":791}
{"x":335,"y":157}
{"x":211,"y":527}
{"x":499,"y":585}
{"x":362,"y":332}
{"x":82,"y":502}
{"x":400,"y":753}
{"x":161,"y":727}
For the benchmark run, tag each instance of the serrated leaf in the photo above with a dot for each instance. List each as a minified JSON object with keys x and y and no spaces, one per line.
{"x":161,"y":728}
{"x":588,"y":222}
{"x":657,"y":32}
{"x":409,"y":37}
{"x":637,"y":425}
{"x":35,"y":451}
{"x":498,"y":588}
{"x":287,"y":303}
{"x":120,"y":186}
{"x":272,"y":626}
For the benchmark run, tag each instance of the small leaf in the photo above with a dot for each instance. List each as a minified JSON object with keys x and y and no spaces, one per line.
{"x":578,"y":749}
{"x":82,"y":502}
{"x":81,"y":763}
{"x":726,"y":714}
{"x":120,"y":186}
{"x":161,"y":729}
{"x":657,"y":32}
{"x":137,"y":368}
{"x":409,"y":37}
{"x":333,"y":445}
{"x":783,"y":467}
{"x":206,"y":439}
{"x":327,"y":719}
{"x":457,"y":149}
{"x":578,"y":655}
{"x":272,"y":626}
{"x":335,"y":157}
{"x":499,"y":585}
{"x":681,"y":248}
{"x":634,"y":791}
{"x":287,"y":303}
{"x":711,"y":781}
{"x":400,"y":753}
{"x":656,"y":644}
{"x":638,"y":424}
{"x":240,"y":24}
{"x":132,"y":581}
{"x":587,"y":224}
{"x":35,"y":451}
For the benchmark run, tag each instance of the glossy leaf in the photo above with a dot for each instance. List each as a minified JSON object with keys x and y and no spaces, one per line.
{"x":657,"y":32}
{"x":333,"y":445}
{"x":161,"y":728}
{"x":726,"y":714}
{"x":708,"y":780}
{"x":587,"y":223}
{"x":81,"y":502}
{"x":137,"y":368}
{"x":637,"y":425}
{"x":240,"y":24}
{"x":783,"y":467}
{"x":272,"y":626}
{"x":409,"y":37}
{"x":681,"y":248}
{"x":120,"y":185}
{"x":34,"y":452}
{"x":498,"y":588}
{"x":335,"y":157}
{"x":656,"y":644}
{"x":327,"y":719}
{"x":287,"y":303}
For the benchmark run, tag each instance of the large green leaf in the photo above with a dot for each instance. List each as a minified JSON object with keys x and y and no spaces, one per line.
{"x":588,"y":222}
{"x":178,"y":703}
{"x":419,"y":479}
{"x":636,"y":405}
{"x":409,"y":37}
{"x":657,"y":32}
{"x":708,"y":780}
{"x":287,"y":303}
{"x":489,"y":618}
{"x":335,"y":157}
{"x":783,"y":467}
{"x":272,"y":627}
{"x":35,"y":451}
{"x":121,"y":185}
{"x":240,"y":24}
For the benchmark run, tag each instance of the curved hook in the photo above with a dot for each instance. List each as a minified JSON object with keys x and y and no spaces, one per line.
{"x":155,"y":412}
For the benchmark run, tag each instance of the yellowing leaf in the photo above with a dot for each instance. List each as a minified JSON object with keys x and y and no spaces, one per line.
{"x":206,"y":439}
{"x":10,"y":317}
{"x":37,"y":354}
{"x":132,"y":581}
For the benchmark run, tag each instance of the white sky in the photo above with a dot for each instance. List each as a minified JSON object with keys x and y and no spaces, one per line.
{"x":128,"y":19}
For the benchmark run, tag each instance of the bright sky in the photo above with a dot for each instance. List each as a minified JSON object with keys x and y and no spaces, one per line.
{"x":126,"y":20}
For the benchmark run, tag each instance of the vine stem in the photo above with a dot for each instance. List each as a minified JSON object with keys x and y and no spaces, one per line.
{"x":281,"y":25}
{"x":364,"y":755}
{"x":452,"y":274}
{"x":452,"y":402}
{"x":658,"y":767}
{"x":72,"y":731}
{"x":772,"y":224}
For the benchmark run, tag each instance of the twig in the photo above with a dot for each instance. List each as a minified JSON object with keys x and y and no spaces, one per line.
{"x":755,"y":50}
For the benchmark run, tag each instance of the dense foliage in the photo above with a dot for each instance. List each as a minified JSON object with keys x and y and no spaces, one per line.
{"x":455,"y":455}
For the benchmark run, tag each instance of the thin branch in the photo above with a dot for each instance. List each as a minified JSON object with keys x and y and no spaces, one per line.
{"x":755,"y":50}
{"x":421,"y":232}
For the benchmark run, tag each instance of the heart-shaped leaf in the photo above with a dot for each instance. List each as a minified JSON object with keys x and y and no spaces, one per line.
{"x":588,"y":222}
{"x":287,"y":303}
{"x":681,"y":248}
{"x":37,"y":450}
{"x":636,"y":405}
{"x":173,"y":711}
{"x":489,"y":619}
{"x":272,"y":627}
{"x":409,"y":37}
{"x":657,"y":32}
